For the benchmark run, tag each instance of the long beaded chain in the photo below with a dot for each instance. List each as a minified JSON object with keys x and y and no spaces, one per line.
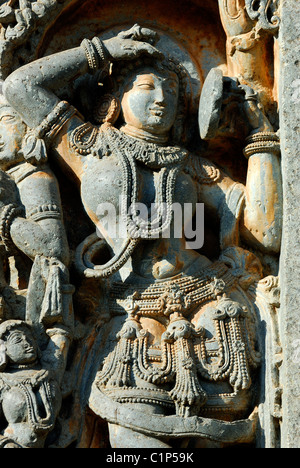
{"x":164,"y":194}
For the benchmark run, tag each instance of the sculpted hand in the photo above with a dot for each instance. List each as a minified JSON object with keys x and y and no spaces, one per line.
{"x":258,"y":121}
{"x":128,"y":45}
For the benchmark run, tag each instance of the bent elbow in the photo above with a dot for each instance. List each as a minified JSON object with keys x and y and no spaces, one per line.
{"x":12,"y":88}
{"x":18,"y":92}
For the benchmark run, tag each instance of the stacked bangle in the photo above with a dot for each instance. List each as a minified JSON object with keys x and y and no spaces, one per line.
{"x":55,"y":120}
{"x":95,"y":54}
{"x":45,"y":212}
{"x":262,"y":142}
{"x":101,"y":54}
{"x":9,"y":213}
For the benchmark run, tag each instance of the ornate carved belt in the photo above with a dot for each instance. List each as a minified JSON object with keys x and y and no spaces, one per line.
{"x":181,"y":294}
{"x":182,"y":358}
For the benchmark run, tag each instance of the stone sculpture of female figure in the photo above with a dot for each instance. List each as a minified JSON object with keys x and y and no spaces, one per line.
{"x":23,"y":166}
{"x":180,"y":339}
{"x":31,"y":224}
{"x":30,"y":396}
{"x":30,"y":205}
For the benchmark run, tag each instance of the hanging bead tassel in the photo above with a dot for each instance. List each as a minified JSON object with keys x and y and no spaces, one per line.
{"x":118,"y":366}
{"x":187,"y":393}
{"x":234,"y":317}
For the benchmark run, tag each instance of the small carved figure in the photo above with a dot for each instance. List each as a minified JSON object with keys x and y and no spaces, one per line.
{"x":181,"y":336}
{"x":31,"y":212}
{"x":30,"y":395}
{"x":31,"y":224}
{"x":30,"y":206}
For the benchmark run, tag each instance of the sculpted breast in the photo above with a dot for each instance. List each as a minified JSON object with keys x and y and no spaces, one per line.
{"x":101,"y":183}
{"x":14,"y":406}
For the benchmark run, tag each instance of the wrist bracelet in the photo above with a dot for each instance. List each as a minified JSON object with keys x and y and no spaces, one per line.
{"x":100,"y":50}
{"x":50,"y":211}
{"x":91,"y":55}
{"x":262,"y":142}
{"x":94,"y":52}
{"x":262,"y":136}
{"x":9,"y":213}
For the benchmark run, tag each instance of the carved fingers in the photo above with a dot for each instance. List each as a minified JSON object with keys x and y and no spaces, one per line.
{"x":137,"y":33}
{"x":254,"y":111}
{"x":256,"y":118}
{"x":134,"y":49}
{"x":128,"y":45}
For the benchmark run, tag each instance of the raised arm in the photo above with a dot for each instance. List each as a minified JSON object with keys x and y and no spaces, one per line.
{"x":261,"y":223}
{"x":252,"y":212}
{"x":31,"y":89}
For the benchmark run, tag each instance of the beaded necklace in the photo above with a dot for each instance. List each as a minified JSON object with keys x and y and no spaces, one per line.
{"x":89,"y":140}
{"x":151,"y":154}
{"x":167,"y":159}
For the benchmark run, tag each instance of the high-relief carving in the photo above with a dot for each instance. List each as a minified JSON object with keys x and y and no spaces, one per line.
{"x":30,"y":383}
{"x":20,"y":20}
{"x":32,"y":233}
{"x":250,"y":26}
{"x":168,"y":342}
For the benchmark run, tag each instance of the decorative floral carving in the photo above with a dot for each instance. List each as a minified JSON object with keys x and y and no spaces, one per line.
{"x":263,"y":11}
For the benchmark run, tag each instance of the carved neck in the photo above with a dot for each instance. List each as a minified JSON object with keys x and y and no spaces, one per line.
{"x":31,"y":365}
{"x":143,"y":135}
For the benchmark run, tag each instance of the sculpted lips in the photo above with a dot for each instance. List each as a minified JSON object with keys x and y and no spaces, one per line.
{"x":157,"y":111}
{"x":29,"y":350}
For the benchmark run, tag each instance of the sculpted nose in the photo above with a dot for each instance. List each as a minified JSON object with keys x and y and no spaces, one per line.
{"x":160,"y":97}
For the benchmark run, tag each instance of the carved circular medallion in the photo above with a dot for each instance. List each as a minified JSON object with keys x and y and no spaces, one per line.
{"x":210,"y":104}
{"x":107,"y":109}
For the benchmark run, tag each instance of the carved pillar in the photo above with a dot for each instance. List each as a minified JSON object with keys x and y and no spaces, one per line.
{"x":289,"y":93}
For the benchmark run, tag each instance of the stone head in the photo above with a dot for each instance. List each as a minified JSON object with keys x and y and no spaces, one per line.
{"x":17,"y":344}
{"x":12,"y":133}
{"x":147,"y":93}
{"x":152,"y":95}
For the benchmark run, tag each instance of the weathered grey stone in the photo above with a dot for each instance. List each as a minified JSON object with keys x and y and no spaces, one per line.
{"x":289,"y":86}
{"x":166,"y":339}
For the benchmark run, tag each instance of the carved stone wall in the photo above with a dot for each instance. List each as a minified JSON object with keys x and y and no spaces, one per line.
{"x":290,"y":138}
{"x":114,"y":331}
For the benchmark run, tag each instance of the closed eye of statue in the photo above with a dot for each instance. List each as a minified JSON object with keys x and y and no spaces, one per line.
{"x":7,"y":118}
{"x":146,"y":86}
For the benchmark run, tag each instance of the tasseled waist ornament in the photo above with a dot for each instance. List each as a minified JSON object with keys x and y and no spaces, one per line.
{"x":178,"y":370}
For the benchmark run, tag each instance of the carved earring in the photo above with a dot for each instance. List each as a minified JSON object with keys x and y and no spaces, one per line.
{"x":107,"y":109}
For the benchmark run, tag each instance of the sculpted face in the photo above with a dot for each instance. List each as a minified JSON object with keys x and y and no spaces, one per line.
{"x":21,"y":347}
{"x":12,"y":131}
{"x":150,"y":101}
